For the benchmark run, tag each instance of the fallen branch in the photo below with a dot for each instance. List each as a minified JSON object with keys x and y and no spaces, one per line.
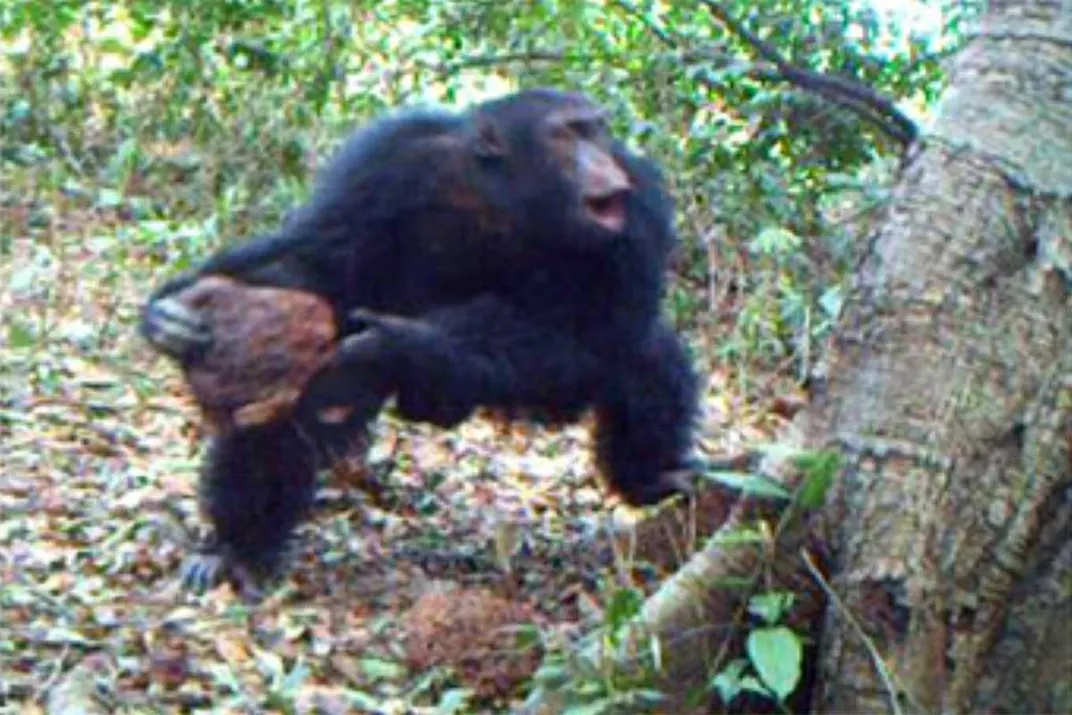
{"x":696,"y":621}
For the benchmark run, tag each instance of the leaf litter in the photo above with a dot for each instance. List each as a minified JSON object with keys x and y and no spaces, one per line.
{"x":420,"y":580}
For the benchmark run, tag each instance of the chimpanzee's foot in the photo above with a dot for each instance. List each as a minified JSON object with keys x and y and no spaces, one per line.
{"x":668,"y":484}
{"x":213,"y":565}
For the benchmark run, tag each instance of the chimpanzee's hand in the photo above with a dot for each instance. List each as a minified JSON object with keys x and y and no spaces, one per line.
{"x":355,"y":384}
{"x":171,"y":326}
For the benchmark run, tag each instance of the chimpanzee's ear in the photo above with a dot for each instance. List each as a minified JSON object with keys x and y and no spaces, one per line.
{"x":488,"y":139}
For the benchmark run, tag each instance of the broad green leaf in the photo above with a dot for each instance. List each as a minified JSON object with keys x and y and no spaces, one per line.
{"x":777,"y":655}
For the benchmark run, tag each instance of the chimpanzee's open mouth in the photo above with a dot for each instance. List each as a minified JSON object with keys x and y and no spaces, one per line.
{"x":608,"y":211}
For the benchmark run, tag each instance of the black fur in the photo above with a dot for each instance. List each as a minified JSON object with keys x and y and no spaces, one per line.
{"x":256,"y":490}
{"x":479,"y":283}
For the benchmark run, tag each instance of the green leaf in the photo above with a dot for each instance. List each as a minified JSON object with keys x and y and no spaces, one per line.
{"x":20,"y":336}
{"x":646,"y":697}
{"x":364,"y":702}
{"x":296,"y":676}
{"x":453,"y":701}
{"x":777,"y":655}
{"x":727,"y":682}
{"x":527,"y":636}
{"x":624,"y":604}
{"x":820,"y":470}
{"x":378,"y":669}
{"x":752,"y":484}
{"x":775,"y":240}
{"x":553,"y":674}
{"x":751,"y":685}
{"x":113,"y":44}
{"x":66,"y":636}
{"x":831,"y":301}
{"x":603,"y":705}
{"x":771,"y":606}
{"x":741,"y":535}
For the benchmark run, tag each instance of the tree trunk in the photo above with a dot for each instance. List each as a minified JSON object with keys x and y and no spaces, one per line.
{"x":950,"y":394}
{"x":947,"y":389}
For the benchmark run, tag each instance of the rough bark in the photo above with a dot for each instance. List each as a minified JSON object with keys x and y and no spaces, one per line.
{"x":947,"y":388}
{"x":950,"y":393}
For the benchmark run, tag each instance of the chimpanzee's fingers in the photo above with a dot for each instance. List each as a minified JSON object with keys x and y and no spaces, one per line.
{"x":174,"y":329}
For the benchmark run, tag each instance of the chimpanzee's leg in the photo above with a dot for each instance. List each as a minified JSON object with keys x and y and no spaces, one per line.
{"x":645,"y":417}
{"x":256,"y":486}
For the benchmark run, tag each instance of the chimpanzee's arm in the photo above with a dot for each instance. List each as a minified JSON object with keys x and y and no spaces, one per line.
{"x":646,"y":416}
{"x":487,"y":353}
{"x":179,"y":331}
{"x":446,"y":363}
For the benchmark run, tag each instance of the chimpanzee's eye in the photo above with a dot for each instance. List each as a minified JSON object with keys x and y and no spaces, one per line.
{"x":591,"y":127}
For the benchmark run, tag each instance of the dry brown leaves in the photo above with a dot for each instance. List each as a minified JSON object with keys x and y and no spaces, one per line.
{"x":100,"y":447}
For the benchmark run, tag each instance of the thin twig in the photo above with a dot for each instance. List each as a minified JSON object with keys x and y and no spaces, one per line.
{"x":876,"y":657}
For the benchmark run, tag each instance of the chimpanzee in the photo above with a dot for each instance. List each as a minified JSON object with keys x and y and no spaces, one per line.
{"x":510,"y":256}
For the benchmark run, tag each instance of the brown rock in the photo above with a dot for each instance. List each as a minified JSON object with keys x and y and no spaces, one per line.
{"x":267,"y":344}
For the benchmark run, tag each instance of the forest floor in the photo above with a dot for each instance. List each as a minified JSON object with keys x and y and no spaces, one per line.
{"x":406,"y":565}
